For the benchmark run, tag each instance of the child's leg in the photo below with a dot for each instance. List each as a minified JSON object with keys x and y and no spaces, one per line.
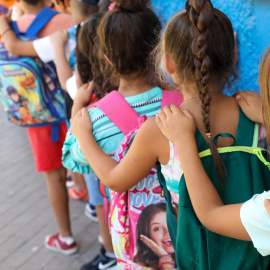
{"x":79,"y":190}
{"x":56,"y":185}
{"x":106,"y":255}
{"x":104,"y":230}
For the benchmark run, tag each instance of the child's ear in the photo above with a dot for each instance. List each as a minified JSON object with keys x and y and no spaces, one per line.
{"x":169,"y":64}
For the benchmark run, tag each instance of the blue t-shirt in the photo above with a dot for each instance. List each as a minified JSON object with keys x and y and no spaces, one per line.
{"x":106,"y":134}
{"x":72,"y":36}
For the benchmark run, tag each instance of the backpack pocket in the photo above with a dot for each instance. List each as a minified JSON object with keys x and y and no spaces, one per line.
{"x":25,"y":96}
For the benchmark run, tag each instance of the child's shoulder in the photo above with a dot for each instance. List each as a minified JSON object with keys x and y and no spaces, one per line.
{"x":58,"y":22}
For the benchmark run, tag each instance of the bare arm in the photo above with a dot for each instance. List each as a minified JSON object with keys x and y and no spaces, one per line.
{"x":179,"y":127}
{"x":12,"y":43}
{"x":63,"y":68}
{"x":137,"y":163}
{"x":82,"y":98}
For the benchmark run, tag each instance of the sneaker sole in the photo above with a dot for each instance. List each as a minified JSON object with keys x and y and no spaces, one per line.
{"x":65,"y":252}
{"x":115,"y":267}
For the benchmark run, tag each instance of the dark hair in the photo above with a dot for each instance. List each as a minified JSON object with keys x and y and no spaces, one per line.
{"x":144,"y":254}
{"x":82,"y":60}
{"x":11,"y":90}
{"x":200,"y":39}
{"x":85,"y":8}
{"x":104,"y":5}
{"x":128,"y":34}
{"x":89,"y":64}
{"x":32,"y":2}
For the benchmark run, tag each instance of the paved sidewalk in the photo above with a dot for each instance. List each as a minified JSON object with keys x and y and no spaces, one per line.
{"x":25,"y":213}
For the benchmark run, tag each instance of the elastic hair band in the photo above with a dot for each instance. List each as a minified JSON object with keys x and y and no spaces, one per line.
{"x":208,"y":135}
{"x":112,"y":5}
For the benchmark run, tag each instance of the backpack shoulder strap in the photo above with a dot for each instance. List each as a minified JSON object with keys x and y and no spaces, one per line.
{"x":171,"y":97}
{"x":119,"y":111}
{"x":15,"y":28}
{"x":40,"y":21}
{"x":244,"y":136}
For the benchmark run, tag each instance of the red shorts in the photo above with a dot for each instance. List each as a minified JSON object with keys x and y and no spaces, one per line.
{"x":47,"y":154}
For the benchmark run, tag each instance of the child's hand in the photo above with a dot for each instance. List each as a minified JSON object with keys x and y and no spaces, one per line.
{"x":251,"y":104}
{"x":84,"y":94}
{"x":158,"y":250}
{"x":59,"y":38}
{"x":175,"y":124}
{"x":81,"y":124}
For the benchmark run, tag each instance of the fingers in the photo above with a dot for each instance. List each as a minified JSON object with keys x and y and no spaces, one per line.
{"x":91,"y":86}
{"x":84,"y":112}
{"x":158,"y":121}
{"x":241,"y":100}
{"x":149,"y":242}
{"x":187,"y":114}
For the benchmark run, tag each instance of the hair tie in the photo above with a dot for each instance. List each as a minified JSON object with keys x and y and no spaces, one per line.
{"x":208,"y":135}
{"x":188,"y":6}
{"x":111,"y":6}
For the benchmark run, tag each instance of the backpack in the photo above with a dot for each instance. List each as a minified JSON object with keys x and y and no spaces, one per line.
{"x":29,"y":89}
{"x":247,"y":173}
{"x":127,"y":209}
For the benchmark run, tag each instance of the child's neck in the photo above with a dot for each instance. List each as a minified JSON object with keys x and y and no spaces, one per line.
{"x":30,"y":9}
{"x":134,"y":86}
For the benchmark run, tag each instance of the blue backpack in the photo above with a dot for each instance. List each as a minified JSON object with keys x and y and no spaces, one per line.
{"x":29,"y":89}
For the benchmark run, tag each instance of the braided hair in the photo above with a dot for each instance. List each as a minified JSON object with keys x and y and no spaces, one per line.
{"x":200,"y":39}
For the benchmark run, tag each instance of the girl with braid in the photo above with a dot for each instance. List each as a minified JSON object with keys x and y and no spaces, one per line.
{"x":198,"y":52}
{"x":249,"y":220}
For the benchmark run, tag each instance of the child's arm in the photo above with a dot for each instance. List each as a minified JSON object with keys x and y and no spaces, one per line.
{"x":138,"y":161}
{"x":64,"y":70}
{"x":12,"y":43}
{"x":82,"y":98}
{"x":179,"y":127}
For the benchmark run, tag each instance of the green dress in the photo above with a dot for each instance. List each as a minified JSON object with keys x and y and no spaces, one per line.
{"x":247,"y":173}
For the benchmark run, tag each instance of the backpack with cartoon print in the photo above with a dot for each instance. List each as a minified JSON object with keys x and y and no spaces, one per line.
{"x":29,"y":89}
{"x":142,"y":209}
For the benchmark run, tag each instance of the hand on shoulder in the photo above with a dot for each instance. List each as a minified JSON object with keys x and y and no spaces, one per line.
{"x":251,"y":104}
{"x":176,"y":124}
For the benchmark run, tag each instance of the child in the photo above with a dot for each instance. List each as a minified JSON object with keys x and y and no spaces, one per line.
{"x":47,"y":153}
{"x":198,"y":50}
{"x":52,"y":48}
{"x":243,"y":221}
{"x":129,"y":59}
{"x":88,"y":69}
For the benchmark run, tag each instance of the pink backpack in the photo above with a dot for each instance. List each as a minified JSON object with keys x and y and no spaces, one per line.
{"x":133,"y":212}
